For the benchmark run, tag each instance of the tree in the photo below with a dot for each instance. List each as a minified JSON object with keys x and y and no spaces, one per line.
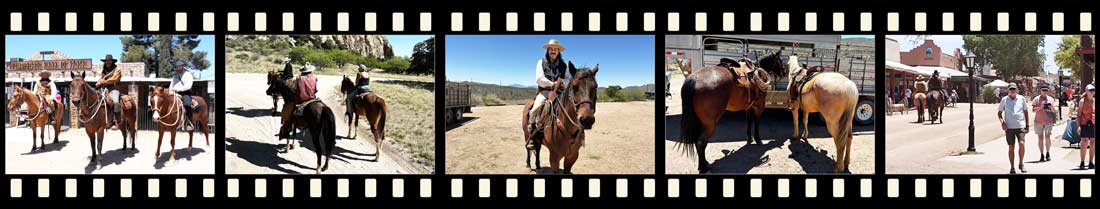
{"x":1066,"y":57}
{"x":613,"y":91}
{"x":1012,"y":55}
{"x":158,"y":52}
{"x":423,"y":57}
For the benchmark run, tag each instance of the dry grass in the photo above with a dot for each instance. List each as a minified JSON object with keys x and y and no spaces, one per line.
{"x":257,"y":63}
{"x":410,"y":121}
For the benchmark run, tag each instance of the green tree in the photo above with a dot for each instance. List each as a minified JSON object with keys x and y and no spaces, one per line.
{"x":158,"y":52}
{"x":423,"y":57}
{"x":1012,"y":55}
{"x":1066,"y":57}
{"x":613,"y":92}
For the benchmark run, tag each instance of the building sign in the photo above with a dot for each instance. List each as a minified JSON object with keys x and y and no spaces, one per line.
{"x":69,"y":64}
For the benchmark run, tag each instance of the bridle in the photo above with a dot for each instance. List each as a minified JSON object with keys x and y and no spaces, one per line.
{"x":99,"y":104}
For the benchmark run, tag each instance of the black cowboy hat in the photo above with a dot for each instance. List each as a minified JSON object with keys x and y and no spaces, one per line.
{"x":109,"y":57}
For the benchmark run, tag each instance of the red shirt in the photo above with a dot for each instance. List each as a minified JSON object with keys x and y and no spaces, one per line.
{"x":307,"y":88}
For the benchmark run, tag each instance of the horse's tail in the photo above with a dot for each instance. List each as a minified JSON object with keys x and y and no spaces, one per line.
{"x":328,"y":130}
{"x":691,"y":128}
{"x":382,"y":119}
{"x":848,"y":117}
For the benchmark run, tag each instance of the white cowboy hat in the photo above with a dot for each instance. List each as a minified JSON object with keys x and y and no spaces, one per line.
{"x":553,"y":43}
{"x":308,"y":68}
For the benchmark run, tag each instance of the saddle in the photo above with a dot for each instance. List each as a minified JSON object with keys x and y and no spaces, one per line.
{"x":796,"y":87}
{"x":741,"y":74}
{"x":302,"y":106}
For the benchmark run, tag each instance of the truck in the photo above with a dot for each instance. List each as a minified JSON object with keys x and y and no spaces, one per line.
{"x":458,"y":102}
{"x":857,"y":62}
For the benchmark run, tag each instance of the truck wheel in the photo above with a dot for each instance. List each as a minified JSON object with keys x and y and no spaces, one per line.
{"x":865,"y":112}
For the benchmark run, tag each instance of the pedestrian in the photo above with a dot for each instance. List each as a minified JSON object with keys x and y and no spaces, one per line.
{"x":1042,"y":106}
{"x":908,"y":96}
{"x":1086,"y":119}
{"x":1014,"y":121}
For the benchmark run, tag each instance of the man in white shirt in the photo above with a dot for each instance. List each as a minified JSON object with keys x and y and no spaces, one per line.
{"x":1012,"y":112}
{"x":550,"y":70}
{"x":181,"y":84}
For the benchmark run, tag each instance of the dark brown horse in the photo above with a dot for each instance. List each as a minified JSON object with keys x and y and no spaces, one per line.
{"x":169,"y":114}
{"x":370,"y":105}
{"x":94,"y":110}
{"x":572,"y":112}
{"x":316,"y":117}
{"x":271,"y":76}
{"x":38,"y":117}
{"x":710,"y":91}
{"x":937,"y":99}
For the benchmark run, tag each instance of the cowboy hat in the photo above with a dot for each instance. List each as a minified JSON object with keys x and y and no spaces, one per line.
{"x":44,"y":73}
{"x":307,"y":69}
{"x":553,"y":43}
{"x":109,"y":57}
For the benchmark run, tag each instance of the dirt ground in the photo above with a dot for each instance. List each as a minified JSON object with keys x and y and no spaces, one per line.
{"x":251,"y":147}
{"x":72,"y":153}
{"x":728,"y":151}
{"x":490,"y":141}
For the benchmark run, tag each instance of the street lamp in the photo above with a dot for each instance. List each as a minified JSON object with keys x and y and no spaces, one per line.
{"x":972,"y":67}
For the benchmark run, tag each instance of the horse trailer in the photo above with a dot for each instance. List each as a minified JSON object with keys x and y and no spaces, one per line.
{"x":854,"y":61}
{"x":458,"y":101}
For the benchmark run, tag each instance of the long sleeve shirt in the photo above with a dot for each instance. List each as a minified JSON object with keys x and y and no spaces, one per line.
{"x":546,"y":83}
{"x":110,"y":79}
{"x":181,"y":82}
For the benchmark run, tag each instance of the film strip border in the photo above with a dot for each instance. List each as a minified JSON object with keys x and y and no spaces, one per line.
{"x":554,"y":187}
{"x":546,"y":22}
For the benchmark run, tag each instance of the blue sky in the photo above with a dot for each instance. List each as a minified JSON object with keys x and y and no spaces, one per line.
{"x":625,"y":60}
{"x":948,"y":43}
{"x":91,"y":46}
{"x":403,"y":44}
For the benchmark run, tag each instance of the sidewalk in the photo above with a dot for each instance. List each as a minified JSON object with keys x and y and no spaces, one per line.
{"x":994,"y":157}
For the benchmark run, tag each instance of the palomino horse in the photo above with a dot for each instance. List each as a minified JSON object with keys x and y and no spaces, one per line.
{"x":920,"y":99}
{"x":373,"y":107}
{"x":39,"y":118}
{"x":169,"y":114}
{"x":271,"y":76}
{"x":94,"y":110}
{"x":572,"y":112}
{"x":831,"y":94}
{"x":710,"y":91}
{"x":317,"y":117}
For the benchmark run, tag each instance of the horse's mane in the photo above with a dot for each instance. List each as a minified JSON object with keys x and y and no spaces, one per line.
{"x":772,"y":64}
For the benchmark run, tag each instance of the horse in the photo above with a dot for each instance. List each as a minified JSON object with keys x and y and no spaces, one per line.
{"x":831,"y":94}
{"x":572,"y":112}
{"x":169,"y":114}
{"x":316,"y":117}
{"x":94,"y":110}
{"x":937,"y":98}
{"x":371,"y":106}
{"x":36,"y":105}
{"x":271,"y":76}
{"x":735,"y":85}
{"x":920,"y":99}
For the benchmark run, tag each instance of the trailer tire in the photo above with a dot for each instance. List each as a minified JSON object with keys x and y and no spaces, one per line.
{"x":865,"y":112}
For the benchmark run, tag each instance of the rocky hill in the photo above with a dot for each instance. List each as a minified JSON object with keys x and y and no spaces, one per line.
{"x":365,"y":45}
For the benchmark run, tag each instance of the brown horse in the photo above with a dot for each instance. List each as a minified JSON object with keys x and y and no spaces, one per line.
{"x":39,"y":118}
{"x":920,"y":99}
{"x":937,"y":99}
{"x":735,"y":85}
{"x":316,"y":117}
{"x":94,"y":111}
{"x":572,"y":112}
{"x":169,"y":114}
{"x":831,"y":94}
{"x":370,"y":105}
{"x":271,"y":76}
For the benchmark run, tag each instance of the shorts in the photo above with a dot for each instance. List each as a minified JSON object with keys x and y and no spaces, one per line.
{"x":1088,"y":130}
{"x":1012,"y":135}
{"x":1043,"y":129}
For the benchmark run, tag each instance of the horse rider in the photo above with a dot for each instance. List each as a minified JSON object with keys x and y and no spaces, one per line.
{"x":362,"y":84}
{"x":288,"y":70}
{"x":307,"y":93}
{"x":181,"y":85}
{"x":550,"y":71}
{"x":109,"y":77}
{"x":46,"y":89}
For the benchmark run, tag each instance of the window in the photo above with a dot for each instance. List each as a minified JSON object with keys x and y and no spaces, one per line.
{"x":928,"y":52}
